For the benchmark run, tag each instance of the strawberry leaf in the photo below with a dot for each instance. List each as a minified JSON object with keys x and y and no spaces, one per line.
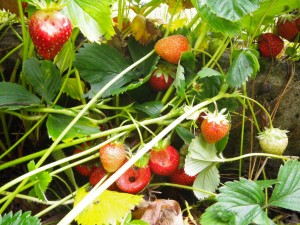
{"x":286,"y":193}
{"x":179,"y":81}
{"x":42,"y":180}
{"x":44,"y":77}
{"x":244,"y":65}
{"x":99,"y":64}
{"x":185,"y":134}
{"x":208,"y":72}
{"x":239,"y":202}
{"x":153,"y":108}
{"x":265,"y":14}
{"x":218,"y":24}
{"x":208,"y":180}
{"x":232,"y":10}
{"x":201,"y":155}
{"x":93,"y":18}
{"x":109,"y":208}
{"x":19,"y":218}
{"x":56,"y":123}
{"x":71,"y":88}
{"x":14,"y":96}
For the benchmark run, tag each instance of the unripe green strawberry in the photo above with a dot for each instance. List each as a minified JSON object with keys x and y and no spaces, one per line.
{"x":273,"y":141}
{"x":171,"y":48}
{"x":112,"y":156}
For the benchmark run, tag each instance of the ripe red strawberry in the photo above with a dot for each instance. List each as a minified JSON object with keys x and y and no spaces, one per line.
{"x":215,"y":126}
{"x":85,"y":169}
{"x":162,"y":78}
{"x":49,"y":31}
{"x":97,"y":175}
{"x":270,"y":45}
{"x":180,"y":177}
{"x":112,"y":156}
{"x":164,"y":161}
{"x":297,"y":21}
{"x":287,"y":28}
{"x":170,"y":48}
{"x":134,"y":180}
{"x":273,"y":141}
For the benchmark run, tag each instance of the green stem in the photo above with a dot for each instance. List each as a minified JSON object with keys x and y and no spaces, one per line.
{"x":203,"y":30}
{"x":242,"y":140}
{"x":71,"y":124}
{"x":182,"y":187}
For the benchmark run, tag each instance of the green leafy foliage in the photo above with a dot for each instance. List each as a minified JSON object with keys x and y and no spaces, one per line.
{"x":245,"y":64}
{"x":43,"y":76}
{"x":14,"y":96}
{"x":42,"y":181}
{"x":19,"y":218}
{"x":201,"y":155}
{"x":286,"y":193}
{"x":232,"y":10}
{"x":179,"y":81}
{"x":208,"y":72}
{"x":153,"y":108}
{"x":219,"y":24}
{"x":243,"y":202}
{"x":93,"y":18}
{"x":265,"y":14}
{"x":185,"y":134}
{"x":71,"y":88}
{"x":99,"y":64}
{"x":109,"y":208}
{"x":208,"y":180}
{"x":239,"y":202}
{"x":56,"y":123}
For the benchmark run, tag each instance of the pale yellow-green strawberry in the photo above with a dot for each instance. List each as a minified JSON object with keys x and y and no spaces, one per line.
{"x":273,"y":140}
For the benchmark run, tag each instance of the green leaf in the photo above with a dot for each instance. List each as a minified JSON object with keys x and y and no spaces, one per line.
{"x":72,"y":89}
{"x":56,"y":123}
{"x":153,"y":108}
{"x":92,"y":17}
{"x":44,"y":77}
{"x":138,"y":222}
{"x":239,"y":202}
{"x":14,"y":96}
{"x":208,"y":72}
{"x":201,"y":155}
{"x":266,"y":183}
{"x":232,"y":10}
{"x":210,"y":87}
{"x":185,"y":134}
{"x":99,"y":64}
{"x":218,"y":24}
{"x":208,"y":180}
{"x":109,"y":208}
{"x":244,"y":65}
{"x":137,"y":51}
{"x":19,"y":218}
{"x":179,"y":81}
{"x":286,"y":193}
{"x":43,"y":180}
{"x":266,"y":13}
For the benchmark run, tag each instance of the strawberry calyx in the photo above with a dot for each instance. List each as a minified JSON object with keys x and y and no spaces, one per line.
{"x":166,"y":70}
{"x":273,"y":134}
{"x":48,"y":5}
{"x":217,"y":117}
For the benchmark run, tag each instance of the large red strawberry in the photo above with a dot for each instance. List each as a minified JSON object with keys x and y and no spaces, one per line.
{"x":287,"y":28}
{"x":273,"y":141}
{"x":134,"y":180}
{"x":112,"y":156}
{"x":180,"y":177}
{"x":49,"y":31}
{"x":270,"y":45}
{"x":162,"y":78}
{"x":164,"y":161}
{"x":171,"y":48}
{"x":215,"y":126}
{"x":97,"y":175}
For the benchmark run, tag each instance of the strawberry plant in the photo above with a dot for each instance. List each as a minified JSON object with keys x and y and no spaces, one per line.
{"x":127,"y":94}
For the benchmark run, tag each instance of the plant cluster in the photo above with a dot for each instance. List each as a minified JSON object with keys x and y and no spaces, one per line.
{"x":112,"y":103}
